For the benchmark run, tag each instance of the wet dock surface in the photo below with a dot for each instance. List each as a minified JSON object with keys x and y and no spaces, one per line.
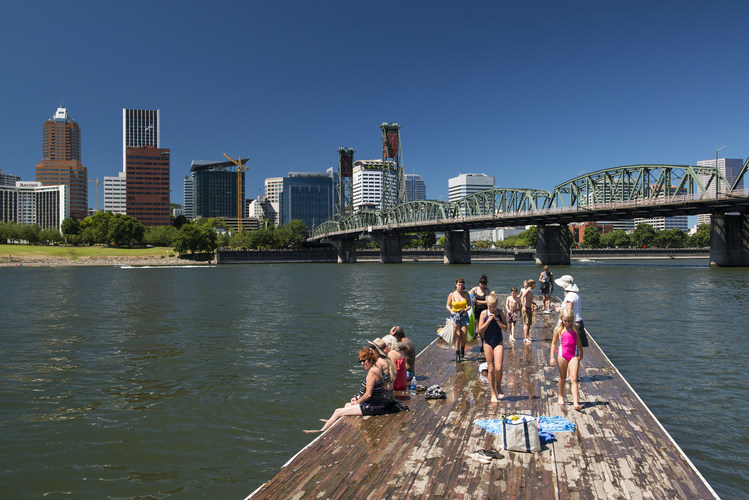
{"x":619,"y":449}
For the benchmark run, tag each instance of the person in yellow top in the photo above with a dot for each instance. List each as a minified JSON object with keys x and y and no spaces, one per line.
{"x":458,"y":303}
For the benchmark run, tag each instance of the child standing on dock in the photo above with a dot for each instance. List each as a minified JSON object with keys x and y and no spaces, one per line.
{"x":569,"y":355}
{"x":526,"y":300}
{"x":512,"y":306}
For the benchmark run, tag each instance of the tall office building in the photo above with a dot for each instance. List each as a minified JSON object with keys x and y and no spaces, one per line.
{"x":465,"y":184}
{"x":115,"y":199}
{"x":415,"y":188}
{"x":147,"y":185}
{"x":140,"y":127}
{"x":273,"y":188}
{"x":61,"y":160}
{"x":34,"y":203}
{"x":367,"y":185}
{"x":189,"y":197}
{"x":730,"y":168}
{"x":308,"y":197}
{"x":216,"y":189}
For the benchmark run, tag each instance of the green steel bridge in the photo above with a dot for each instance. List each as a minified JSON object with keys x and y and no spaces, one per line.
{"x":610,"y":194}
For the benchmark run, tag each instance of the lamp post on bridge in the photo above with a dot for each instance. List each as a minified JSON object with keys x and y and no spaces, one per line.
{"x":717,"y":177}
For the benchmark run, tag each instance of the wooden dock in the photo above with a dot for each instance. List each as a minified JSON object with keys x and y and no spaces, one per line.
{"x":619,"y":449}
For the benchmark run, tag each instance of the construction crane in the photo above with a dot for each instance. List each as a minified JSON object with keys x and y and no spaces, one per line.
{"x":240,"y":168}
{"x":97,"y":190}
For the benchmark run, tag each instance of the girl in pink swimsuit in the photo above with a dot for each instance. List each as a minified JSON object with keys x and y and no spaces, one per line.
{"x":569,"y":355}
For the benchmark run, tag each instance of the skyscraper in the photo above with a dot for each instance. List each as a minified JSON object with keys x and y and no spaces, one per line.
{"x":61,"y":160}
{"x":368,"y":183}
{"x":140,"y":127}
{"x":189,"y":197}
{"x":415,"y":188}
{"x":307,"y":197}
{"x":147,"y":185}
{"x":215,"y":188}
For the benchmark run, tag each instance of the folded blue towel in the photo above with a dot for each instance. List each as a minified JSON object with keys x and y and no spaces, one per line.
{"x":555,"y":424}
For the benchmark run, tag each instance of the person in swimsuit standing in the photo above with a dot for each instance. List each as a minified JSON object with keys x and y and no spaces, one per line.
{"x":371,"y":399}
{"x":526,"y":300}
{"x":569,"y":355}
{"x":491,"y":325}
{"x":458,"y":303}
{"x":512,"y":306}
{"x":479,"y":293}
{"x":547,"y":286}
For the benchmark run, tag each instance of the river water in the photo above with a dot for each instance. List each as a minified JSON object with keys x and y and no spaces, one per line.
{"x":196,"y":382}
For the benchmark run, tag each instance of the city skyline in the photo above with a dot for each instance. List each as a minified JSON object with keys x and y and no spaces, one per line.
{"x":529,"y":94}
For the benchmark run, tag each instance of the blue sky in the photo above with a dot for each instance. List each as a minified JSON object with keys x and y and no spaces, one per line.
{"x":532,"y":92}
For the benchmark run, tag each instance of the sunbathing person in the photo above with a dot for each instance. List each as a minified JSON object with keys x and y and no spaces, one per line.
{"x":371,"y":399}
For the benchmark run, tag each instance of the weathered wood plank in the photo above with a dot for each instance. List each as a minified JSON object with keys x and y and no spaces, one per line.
{"x":619,"y":450}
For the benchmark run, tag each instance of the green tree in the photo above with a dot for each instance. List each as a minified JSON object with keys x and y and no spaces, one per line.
{"x":50,"y":235}
{"x":71,"y":229}
{"x":31,"y":233}
{"x":701,"y":238}
{"x":643,"y":235}
{"x":592,"y":237}
{"x":194,"y":238}
{"x":178,"y":221}
{"x":620,"y":239}
{"x":670,"y":238}
{"x":291,"y":235}
{"x":161,"y":236}
{"x":530,"y":237}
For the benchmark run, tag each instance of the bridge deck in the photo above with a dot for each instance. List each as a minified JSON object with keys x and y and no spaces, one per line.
{"x":619,"y":449}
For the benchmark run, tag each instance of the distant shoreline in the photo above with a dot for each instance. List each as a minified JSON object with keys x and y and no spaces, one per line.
{"x":10,"y":260}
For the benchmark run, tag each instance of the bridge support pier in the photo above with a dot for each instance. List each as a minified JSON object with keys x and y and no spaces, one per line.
{"x":729,"y":240}
{"x":391,"y":246}
{"x":553,"y":245}
{"x":346,"y":250}
{"x":457,"y":247}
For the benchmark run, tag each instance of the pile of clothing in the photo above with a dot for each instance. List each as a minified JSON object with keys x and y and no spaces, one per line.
{"x":435,"y":392}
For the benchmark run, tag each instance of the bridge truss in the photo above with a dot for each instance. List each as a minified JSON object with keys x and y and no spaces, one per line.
{"x":619,"y":191}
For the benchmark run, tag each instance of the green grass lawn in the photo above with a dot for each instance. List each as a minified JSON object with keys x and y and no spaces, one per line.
{"x":75,"y":252}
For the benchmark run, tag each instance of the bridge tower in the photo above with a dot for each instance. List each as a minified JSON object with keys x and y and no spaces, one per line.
{"x":344,"y":204}
{"x":393,"y":178}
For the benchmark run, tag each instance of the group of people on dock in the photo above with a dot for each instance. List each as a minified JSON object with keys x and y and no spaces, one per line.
{"x":390,"y":363}
{"x":490,"y":321}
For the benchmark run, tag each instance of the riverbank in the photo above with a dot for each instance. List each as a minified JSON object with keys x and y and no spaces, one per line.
{"x":10,"y":260}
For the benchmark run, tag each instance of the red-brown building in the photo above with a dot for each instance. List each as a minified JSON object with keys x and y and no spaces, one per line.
{"x":578,"y":230}
{"x":61,"y":161}
{"x":147,"y":185}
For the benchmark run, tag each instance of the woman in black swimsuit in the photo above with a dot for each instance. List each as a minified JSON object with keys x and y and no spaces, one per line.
{"x":371,"y":399}
{"x":491,"y":324}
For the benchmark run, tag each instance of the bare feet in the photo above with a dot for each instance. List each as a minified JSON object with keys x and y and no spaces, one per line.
{"x":560,"y":401}
{"x":501,"y":395}
{"x":578,"y":407}
{"x":527,"y":339}
{"x":494,"y":399}
{"x":312,"y":431}
{"x":323,"y":420}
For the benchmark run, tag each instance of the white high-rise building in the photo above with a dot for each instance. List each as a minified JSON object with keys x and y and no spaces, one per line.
{"x":273,"y":190}
{"x":33,"y":203}
{"x":415,"y":188}
{"x":189,"y":197}
{"x":367,"y":186}
{"x":114,"y":194}
{"x":663,"y":223}
{"x":730,"y":168}
{"x":140,"y":127}
{"x":465,"y":184}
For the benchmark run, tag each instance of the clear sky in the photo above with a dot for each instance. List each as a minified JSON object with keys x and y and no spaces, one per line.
{"x":532,"y":92}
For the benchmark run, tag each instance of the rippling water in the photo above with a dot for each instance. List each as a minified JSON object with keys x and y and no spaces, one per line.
{"x":188,"y":382}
